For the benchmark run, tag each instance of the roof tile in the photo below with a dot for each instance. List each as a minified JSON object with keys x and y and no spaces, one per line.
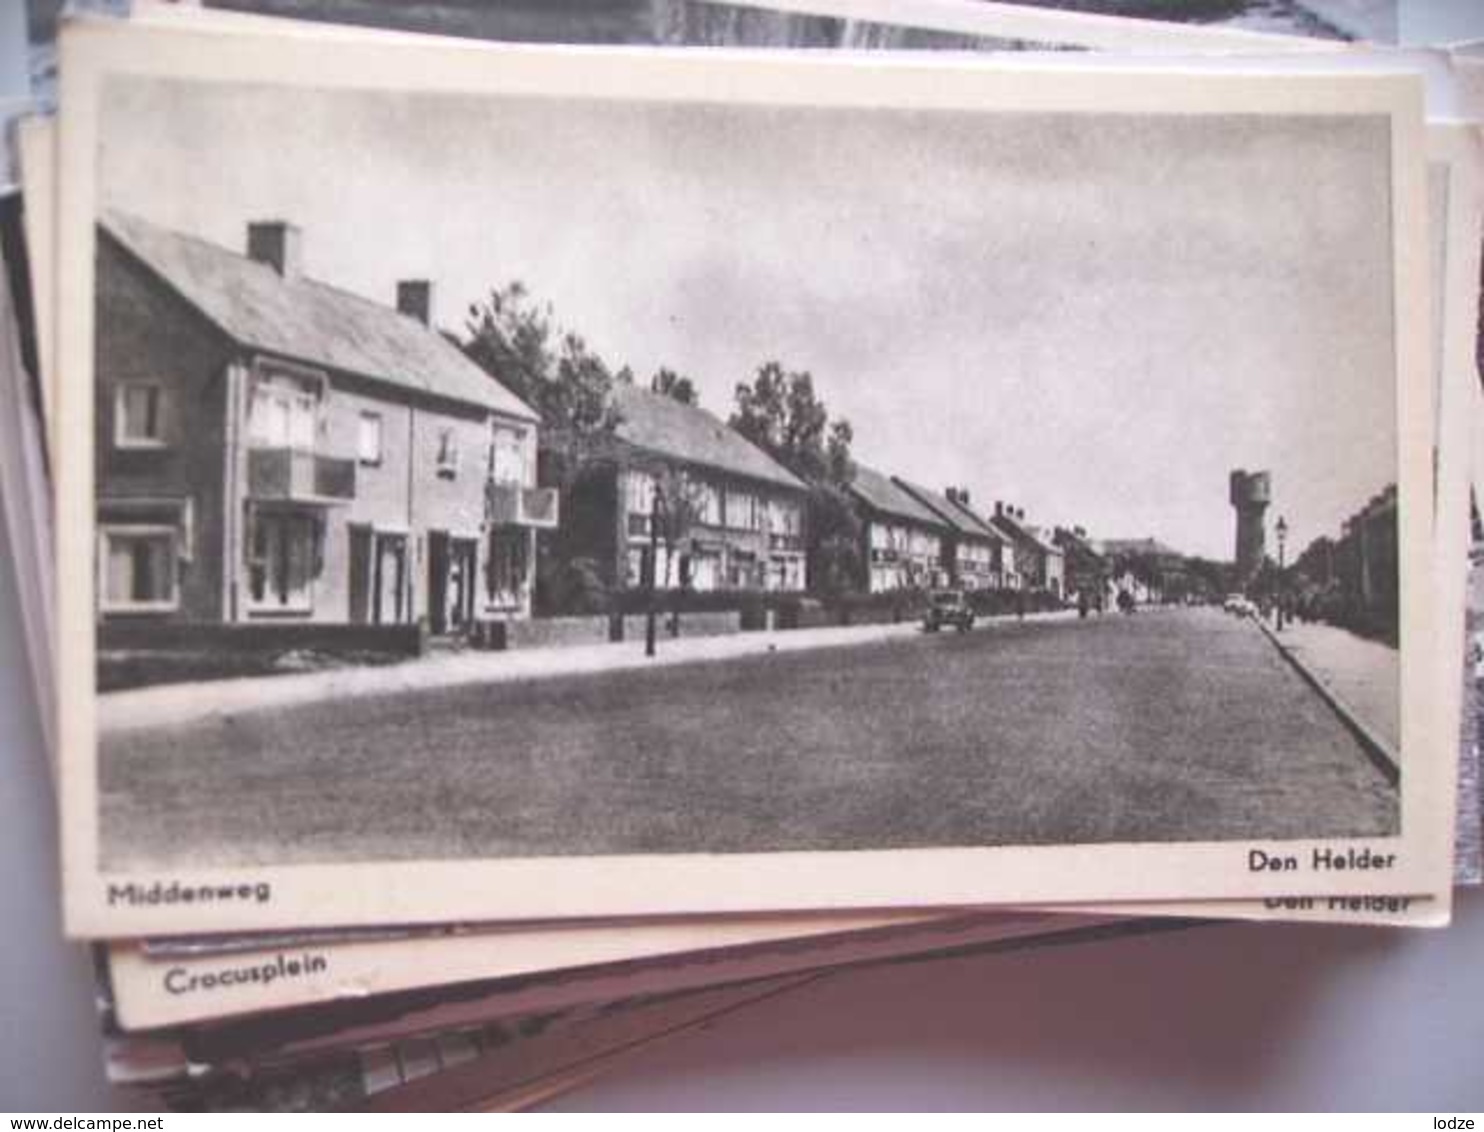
{"x":311,"y":321}
{"x":662,"y":425}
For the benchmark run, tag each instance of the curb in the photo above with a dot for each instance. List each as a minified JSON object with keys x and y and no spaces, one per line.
{"x":1377,"y":749}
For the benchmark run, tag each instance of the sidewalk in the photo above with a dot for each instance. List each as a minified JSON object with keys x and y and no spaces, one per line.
{"x":1363,"y":676}
{"x":177,"y":704}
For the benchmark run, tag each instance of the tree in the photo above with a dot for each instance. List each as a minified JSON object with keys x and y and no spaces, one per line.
{"x":675,"y":508}
{"x":509,"y":337}
{"x":518,"y":342}
{"x":679,"y":509}
{"x":671,"y":384}
{"x":835,"y":565}
{"x":839,"y":465}
{"x":782,"y":414}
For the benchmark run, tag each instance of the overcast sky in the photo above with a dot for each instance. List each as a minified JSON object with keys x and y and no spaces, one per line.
{"x":1095,"y":317}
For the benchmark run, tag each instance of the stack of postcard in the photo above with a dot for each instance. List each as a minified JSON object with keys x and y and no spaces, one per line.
{"x":534,"y":536}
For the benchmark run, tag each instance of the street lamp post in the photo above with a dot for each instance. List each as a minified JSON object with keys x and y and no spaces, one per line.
{"x":656,"y":509}
{"x":1282,"y":531}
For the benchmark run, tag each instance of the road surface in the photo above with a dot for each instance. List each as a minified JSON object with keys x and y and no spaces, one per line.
{"x":1165,"y":726}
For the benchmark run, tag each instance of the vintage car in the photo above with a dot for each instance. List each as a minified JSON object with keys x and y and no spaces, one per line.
{"x":1239,"y":604}
{"x":948,"y":607}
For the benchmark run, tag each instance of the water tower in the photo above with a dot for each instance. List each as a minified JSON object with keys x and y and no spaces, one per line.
{"x":1251,"y":492}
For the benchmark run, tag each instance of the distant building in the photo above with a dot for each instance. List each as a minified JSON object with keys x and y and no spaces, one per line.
{"x":973,"y":552}
{"x":902,"y":539}
{"x":1039,"y":563}
{"x":1366,"y":566}
{"x":746,"y":511}
{"x":1250,"y":495}
{"x":272,"y":449}
{"x":1147,"y":569}
{"x":1086,"y":570}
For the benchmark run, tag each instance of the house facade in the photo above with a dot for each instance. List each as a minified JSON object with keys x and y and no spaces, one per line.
{"x":1085,"y":571}
{"x":716,"y":511}
{"x":903,"y":542}
{"x":1038,"y":562}
{"x":273,"y":450}
{"x":973,"y":552}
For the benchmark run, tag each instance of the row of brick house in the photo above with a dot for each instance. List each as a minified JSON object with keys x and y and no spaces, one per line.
{"x":915,"y":537}
{"x":745,"y":511}
{"x":275,"y":450}
{"x":271,"y":449}
{"x":1353,"y":578}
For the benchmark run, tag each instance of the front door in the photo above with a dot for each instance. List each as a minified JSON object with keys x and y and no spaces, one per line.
{"x":437,"y":582}
{"x":462,"y":555}
{"x":391,"y":580}
{"x":360,"y":575}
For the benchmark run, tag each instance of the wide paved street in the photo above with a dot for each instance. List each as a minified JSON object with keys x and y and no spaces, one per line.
{"x":1168,"y":725}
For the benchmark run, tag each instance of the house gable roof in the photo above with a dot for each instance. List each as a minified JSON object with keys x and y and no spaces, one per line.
{"x":881,"y":493}
{"x":310,"y":321}
{"x":963,"y":521}
{"x":692,"y":435}
{"x":1069,"y":540}
{"x":1018,"y":532}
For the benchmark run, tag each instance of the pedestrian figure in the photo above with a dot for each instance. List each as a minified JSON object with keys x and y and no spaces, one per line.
{"x":1082,"y":605}
{"x":1020,"y":604}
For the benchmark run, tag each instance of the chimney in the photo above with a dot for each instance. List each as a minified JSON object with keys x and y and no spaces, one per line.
{"x":276,"y":243}
{"x":415,"y":299}
{"x":999,"y":509}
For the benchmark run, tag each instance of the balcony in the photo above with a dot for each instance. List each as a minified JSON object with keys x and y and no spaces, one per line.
{"x":291,"y":475}
{"x":511,"y":505}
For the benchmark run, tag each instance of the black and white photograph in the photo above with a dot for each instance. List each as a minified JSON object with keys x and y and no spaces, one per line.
{"x":619,"y":476}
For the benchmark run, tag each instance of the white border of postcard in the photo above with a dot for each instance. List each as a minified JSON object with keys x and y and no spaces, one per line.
{"x":150,"y":990}
{"x":158,"y":991}
{"x":537,"y":888}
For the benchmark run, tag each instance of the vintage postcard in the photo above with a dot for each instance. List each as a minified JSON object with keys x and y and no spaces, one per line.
{"x":1184,"y":25}
{"x":550,"y":968}
{"x":329,"y":681}
{"x":1109,"y":25}
{"x":511,"y":1062}
{"x":1123,"y":25}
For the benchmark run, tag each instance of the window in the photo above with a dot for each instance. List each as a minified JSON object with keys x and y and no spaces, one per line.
{"x":138,"y":569}
{"x":701,"y":571}
{"x":638,"y":498}
{"x":741,"y":571}
{"x":744,"y":511}
{"x":508,"y":456}
{"x":448,"y":453}
{"x":707,"y":502}
{"x":283,"y":414}
{"x":139,"y":416}
{"x":282,"y":562}
{"x":368,"y":439}
{"x":506,"y":569}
